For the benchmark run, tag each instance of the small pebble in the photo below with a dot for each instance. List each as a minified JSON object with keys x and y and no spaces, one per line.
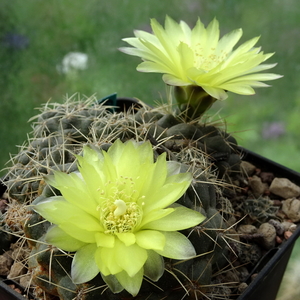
{"x":276,"y":202}
{"x":281,"y":215}
{"x":243,"y":273}
{"x":4,"y":266}
{"x":254,"y":276}
{"x":25,"y":280}
{"x":242,"y":287}
{"x":287,"y":225}
{"x":13,"y":287}
{"x":257,"y":186}
{"x":16,"y":270}
{"x":248,"y":168}
{"x":284,"y":188}
{"x":287,"y":234}
{"x":18,"y":253}
{"x":278,"y":226}
{"x":269,"y":235}
{"x":3,"y":205}
{"x":266,"y":177}
{"x":291,"y":207}
{"x":247,"y":229}
{"x":5,"y":263}
{"x":232,"y":276}
{"x":293,"y":228}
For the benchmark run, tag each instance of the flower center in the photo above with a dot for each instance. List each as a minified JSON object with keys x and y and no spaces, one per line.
{"x":119,"y":216}
{"x":209,"y":60}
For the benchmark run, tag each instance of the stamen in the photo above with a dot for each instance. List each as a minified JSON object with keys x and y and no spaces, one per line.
{"x":119,"y":216}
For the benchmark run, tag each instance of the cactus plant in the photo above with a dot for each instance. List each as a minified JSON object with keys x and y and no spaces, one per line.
{"x":200,"y":68}
{"x":59,"y":133}
{"x":261,"y":209}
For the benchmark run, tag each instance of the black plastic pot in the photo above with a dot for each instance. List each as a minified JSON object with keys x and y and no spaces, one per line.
{"x":272,"y":266}
{"x":120,"y":104}
{"x":7,"y":293}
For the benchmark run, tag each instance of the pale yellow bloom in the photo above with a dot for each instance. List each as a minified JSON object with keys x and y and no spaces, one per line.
{"x":198,"y":57}
{"x":118,"y":214}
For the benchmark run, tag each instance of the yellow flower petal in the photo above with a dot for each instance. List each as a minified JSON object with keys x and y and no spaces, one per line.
{"x":57,"y":237}
{"x":113,"y":283}
{"x":166,"y":195}
{"x":150,"y":239}
{"x":154,"y":215}
{"x":57,"y":210}
{"x":84,"y":267}
{"x":131,"y":284}
{"x":213,"y":34}
{"x":228,"y":41}
{"x":127,"y":238}
{"x":179,"y":219}
{"x":106,"y":259}
{"x":217,"y":93}
{"x":73,"y":188}
{"x":131,"y":259}
{"x":174,"y":80}
{"x":177,"y":246}
{"x":101,"y":264}
{"x":78,"y":233}
{"x":154,"y":177}
{"x":186,"y":58}
{"x":154,"y":265}
{"x":104,"y":240}
{"x":165,"y":40}
{"x":156,"y":67}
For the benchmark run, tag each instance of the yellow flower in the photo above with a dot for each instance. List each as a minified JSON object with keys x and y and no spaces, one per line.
{"x":198,"y":57}
{"x":118,"y":214}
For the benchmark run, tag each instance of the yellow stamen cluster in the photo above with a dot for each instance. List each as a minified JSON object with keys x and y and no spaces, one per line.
{"x":209,"y":61}
{"x":119,"y":216}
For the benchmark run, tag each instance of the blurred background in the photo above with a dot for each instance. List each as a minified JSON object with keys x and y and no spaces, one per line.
{"x":36,"y":37}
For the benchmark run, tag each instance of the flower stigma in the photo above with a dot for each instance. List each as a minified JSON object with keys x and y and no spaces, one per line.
{"x":121,"y":208}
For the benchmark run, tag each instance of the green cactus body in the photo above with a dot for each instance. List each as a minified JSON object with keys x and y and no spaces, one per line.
{"x":61,"y":130}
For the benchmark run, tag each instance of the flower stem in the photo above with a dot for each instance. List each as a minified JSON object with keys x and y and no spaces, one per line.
{"x":192,"y":101}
